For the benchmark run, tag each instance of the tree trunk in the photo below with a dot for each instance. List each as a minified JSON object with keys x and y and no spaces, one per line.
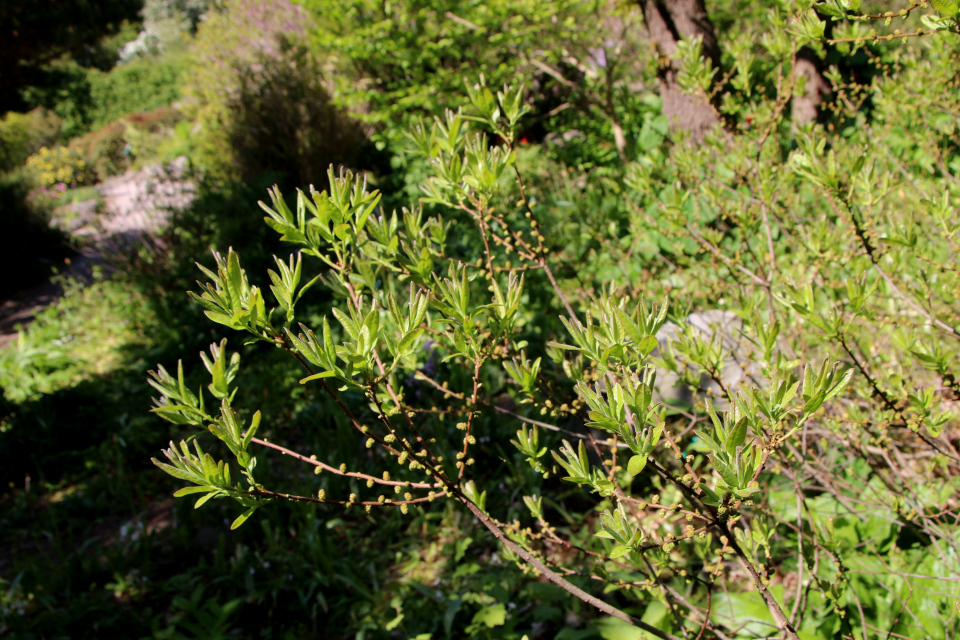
{"x":668,"y":22}
{"x":805,"y":105}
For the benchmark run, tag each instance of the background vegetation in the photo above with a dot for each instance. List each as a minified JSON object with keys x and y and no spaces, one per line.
{"x":805,"y":183}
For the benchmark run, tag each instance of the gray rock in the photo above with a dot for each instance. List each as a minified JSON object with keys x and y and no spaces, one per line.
{"x":724,"y":326}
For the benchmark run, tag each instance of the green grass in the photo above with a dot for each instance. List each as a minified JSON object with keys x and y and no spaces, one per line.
{"x":82,"y":335}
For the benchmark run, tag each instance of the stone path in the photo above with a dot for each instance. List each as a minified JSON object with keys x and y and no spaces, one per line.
{"x":135,"y":205}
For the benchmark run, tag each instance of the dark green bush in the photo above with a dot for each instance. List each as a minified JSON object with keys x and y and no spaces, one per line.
{"x":87,"y":98}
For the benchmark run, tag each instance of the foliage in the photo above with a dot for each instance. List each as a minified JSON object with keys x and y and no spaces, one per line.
{"x":805,"y":461}
{"x":823,"y":468}
{"x":165,"y":22}
{"x":260,"y":97}
{"x":59,"y":165}
{"x":78,"y":337}
{"x":90,"y":98}
{"x":35,"y":33}
{"x":115,"y":148}
{"x":22,"y":134}
{"x":399,"y":62}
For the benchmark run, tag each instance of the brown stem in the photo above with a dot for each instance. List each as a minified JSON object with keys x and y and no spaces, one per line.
{"x":542,"y":251}
{"x":783,"y":622}
{"x":334,"y":470}
{"x":567,"y":586}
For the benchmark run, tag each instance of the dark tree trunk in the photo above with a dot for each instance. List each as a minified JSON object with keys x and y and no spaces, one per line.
{"x":668,"y":22}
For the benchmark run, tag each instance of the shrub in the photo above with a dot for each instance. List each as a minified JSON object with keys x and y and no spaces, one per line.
{"x":261,"y":99}
{"x":89,"y":98}
{"x":399,"y":62}
{"x":60,"y":165}
{"x":117,"y":147}
{"x":22,"y":134}
{"x":133,"y":88}
{"x":799,"y":498}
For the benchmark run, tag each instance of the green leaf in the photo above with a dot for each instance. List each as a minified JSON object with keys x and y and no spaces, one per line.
{"x":737,"y":436}
{"x":188,"y":490}
{"x":636,"y":465}
{"x":827,"y":9}
{"x":204,"y":499}
{"x":317,"y":376}
{"x":492,"y":616}
{"x":946,"y":8}
{"x":647,"y":345}
{"x":619,"y":551}
{"x":177,"y":473}
{"x":243,"y":517}
{"x":407,"y":342}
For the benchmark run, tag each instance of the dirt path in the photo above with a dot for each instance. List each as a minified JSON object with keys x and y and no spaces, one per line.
{"x":134,"y":205}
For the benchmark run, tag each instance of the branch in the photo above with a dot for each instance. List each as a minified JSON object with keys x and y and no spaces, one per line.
{"x":567,"y":586}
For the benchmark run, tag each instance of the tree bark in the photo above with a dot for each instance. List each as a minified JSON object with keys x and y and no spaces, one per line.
{"x":668,"y":22}
{"x":805,"y":106}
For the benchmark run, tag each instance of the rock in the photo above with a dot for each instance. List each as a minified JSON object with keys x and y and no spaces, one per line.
{"x":141,"y":201}
{"x":707,"y":324}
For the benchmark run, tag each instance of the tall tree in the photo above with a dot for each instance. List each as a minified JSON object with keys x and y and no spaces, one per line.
{"x":669,"y":22}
